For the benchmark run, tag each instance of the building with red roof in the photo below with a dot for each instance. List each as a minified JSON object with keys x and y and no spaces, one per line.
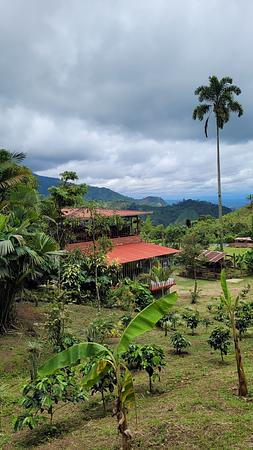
{"x":128,"y":249}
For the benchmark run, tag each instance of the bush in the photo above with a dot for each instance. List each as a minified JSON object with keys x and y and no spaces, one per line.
{"x":99,"y":329}
{"x":244,"y":317}
{"x":170,"y":321}
{"x":192,"y":319}
{"x":131,"y":295}
{"x":44,"y":395}
{"x":179,"y":342}
{"x":145,"y":357}
{"x":219,"y":339}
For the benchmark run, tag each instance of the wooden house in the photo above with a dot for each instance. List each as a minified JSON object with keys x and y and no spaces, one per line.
{"x":128,"y":250}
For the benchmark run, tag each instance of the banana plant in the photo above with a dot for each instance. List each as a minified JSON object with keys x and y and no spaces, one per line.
{"x":231,"y":304}
{"x":106,"y":359}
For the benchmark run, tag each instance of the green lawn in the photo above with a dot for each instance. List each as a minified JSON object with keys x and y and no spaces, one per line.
{"x":195,"y":405}
{"x":231,"y":250}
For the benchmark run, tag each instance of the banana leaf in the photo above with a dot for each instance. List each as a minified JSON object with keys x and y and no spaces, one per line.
{"x":145,"y":320}
{"x":71,"y":356}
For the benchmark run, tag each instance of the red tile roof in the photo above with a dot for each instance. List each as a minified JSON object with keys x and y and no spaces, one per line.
{"x":135,"y":252}
{"x":84,"y":213}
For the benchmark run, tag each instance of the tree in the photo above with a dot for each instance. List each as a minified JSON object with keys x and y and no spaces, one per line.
{"x":217,"y":98}
{"x":219,"y":339}
{"x":179,"y":342}
{"x":98,"y":229}
{"x":145,"y":357}
{"x":12,"y":173}
{"x":67,"y":193}
{"x":189,"y":257}
{"x":24,"y":255}
{"x":108,"y":359}
{"x":231,"y":305}
{"x":250,"y":198}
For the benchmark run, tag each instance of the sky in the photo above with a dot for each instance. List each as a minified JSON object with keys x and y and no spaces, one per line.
{"x":106,"y":88}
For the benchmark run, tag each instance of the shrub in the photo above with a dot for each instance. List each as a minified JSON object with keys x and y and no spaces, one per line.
{"x":99,"y":329}
{"x":145,"y":357}
{"x":43,"y":395}
{"x":131,"y":295}
{"x":243,"y":317}
{"x":192,"y":319}
{"x":219,"y":339}
{"x":55,"y":325}
{"x":170,"y":321}
{"x":179,"y":342}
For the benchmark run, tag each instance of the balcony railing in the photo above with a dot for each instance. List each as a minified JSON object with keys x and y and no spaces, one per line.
{"x":162,"y":285}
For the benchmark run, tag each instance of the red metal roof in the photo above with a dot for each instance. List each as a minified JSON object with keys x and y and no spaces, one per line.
{"x":125,"y":251}
{"x":136,"y":252}
{"x":213,"y":256}
{"x":84,"y":213}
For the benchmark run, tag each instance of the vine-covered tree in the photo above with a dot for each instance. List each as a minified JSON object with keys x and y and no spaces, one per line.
{"x":217,"y":98}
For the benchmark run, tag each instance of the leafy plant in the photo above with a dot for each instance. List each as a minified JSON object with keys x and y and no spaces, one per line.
{"x":125,"y":320}
{"x":45,"y":394}
{"x":170,"y":321}
{"x":192,"y":319}
{"x":99,"y":329}
{"x":219,"y":339}
{"x":206,"y":322}
{"x":145,"y":357}
{"x":131,"y":295}
{"x":56,"y":325}
{"x":142,"y":322}
{"x":179,"y":342}
{"x":230,"y":305}
{"x":243,"y":317}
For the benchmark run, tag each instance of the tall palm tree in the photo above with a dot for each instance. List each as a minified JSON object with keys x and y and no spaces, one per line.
{"x":217,"y":98}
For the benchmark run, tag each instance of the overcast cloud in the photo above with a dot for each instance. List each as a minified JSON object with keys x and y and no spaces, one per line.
{"x":106,"y":88}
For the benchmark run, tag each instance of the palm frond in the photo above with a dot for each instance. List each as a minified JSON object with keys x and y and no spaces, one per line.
{"x":6,"y":247}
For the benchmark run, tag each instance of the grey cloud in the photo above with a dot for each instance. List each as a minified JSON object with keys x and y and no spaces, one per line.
{"x":106,"y":88}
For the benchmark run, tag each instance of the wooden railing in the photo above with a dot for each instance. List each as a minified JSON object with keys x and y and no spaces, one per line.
{"x":158,"y":286}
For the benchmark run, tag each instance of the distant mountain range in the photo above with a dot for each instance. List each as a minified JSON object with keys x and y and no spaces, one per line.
{"x":163,"y":213}
{"x":100,"y":194}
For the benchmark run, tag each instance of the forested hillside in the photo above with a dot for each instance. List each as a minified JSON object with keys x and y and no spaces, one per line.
{"x":163,"y":213}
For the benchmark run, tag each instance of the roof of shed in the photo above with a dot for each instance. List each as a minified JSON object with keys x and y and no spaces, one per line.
{"x":213,"y":256}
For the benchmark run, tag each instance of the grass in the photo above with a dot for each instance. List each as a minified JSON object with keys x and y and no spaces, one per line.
{"x":231,"y":250}
{"x":194,"y":406}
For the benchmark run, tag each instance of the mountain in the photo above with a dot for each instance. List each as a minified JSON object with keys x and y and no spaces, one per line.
{"x":93,"y":193}
{"x":179,"y":212}
{"x":101,"y":194}
{"x":152,"y":201}
{"x":163,"y":213}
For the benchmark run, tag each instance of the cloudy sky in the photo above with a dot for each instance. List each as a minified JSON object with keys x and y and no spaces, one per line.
{"x":106,"y":88}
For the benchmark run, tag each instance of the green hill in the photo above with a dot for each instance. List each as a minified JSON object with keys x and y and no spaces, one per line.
{"x":163,"y":213}
{"x":179,"y":212}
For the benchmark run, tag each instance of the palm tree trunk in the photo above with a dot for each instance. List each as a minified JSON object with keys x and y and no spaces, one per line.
{"x":219,"y":185}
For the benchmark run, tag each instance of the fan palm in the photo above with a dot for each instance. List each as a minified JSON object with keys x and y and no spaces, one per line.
{"x":217,"y":98}
{"x":11,"y":172}
{"x":23,"y":255}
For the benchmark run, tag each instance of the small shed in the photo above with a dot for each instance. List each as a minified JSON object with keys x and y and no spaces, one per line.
{"x":242,"y":242}
{"x":211,"y":264}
